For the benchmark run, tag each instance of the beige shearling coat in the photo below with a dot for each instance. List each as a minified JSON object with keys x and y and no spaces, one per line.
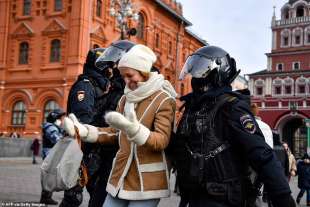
{"x":141,"y":172}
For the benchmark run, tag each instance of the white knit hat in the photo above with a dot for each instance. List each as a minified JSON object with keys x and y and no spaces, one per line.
{"x":139,"y":57}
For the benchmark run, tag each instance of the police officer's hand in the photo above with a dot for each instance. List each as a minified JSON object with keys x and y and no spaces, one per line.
{"x":283,"y":201}
{"x":87,"y":133}
{"x":135,"y":131}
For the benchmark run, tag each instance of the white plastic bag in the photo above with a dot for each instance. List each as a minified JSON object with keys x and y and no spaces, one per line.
{"x":60,"y":169}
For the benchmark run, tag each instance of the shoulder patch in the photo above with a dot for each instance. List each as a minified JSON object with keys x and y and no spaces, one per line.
{"x":248,"y":124}
{"x":80,"y":95}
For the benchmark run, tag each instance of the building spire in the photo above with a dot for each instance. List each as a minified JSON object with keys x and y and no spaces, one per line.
{"x":274,"y":18}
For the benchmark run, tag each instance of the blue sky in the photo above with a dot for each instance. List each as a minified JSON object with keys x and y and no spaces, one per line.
{"x":241,"y":27}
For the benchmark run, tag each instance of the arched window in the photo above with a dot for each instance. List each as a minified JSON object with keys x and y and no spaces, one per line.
{"x":285,"y":38}
{"x":99,"y":8}
{"x":301,"y":86}
{"x":300,"y":12}
{"x":297,"y":37}
{"x":279,"y":67}
{"x":49,"y":106}
{"x":19,"y":113}
{"x":27,"y":7}
{"x":140,"y":27}
{"x":23,"y":53}
{"x":296,"y":65}
{"x":277,"y":87}
{"x":288,"y":86}
{"x":286,"y":13}
{"x":58,"y":5}
{"x":307,"y":36}
{"x":55,"y":50}
{"x":157,"y":40}
{"x":259,"y":87}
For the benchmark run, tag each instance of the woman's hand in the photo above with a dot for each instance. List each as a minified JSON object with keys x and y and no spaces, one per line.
{"x":88,"y":133}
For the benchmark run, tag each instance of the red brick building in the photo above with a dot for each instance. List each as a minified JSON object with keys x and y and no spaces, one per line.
{"x":44,"y":44}
{"x":282,"y":90}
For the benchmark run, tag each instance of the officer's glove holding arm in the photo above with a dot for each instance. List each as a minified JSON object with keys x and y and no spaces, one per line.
{"x":283,"y":201}
{"x":135,"y":131}
{"x":88,"y":133}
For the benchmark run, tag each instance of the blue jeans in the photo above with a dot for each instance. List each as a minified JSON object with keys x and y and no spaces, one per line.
{"x":117,"y":202}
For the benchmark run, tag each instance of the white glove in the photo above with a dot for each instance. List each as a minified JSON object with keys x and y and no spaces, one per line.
{"x":118,"y":121}
{"x":135,"y":131}
{"x":87,"y":133}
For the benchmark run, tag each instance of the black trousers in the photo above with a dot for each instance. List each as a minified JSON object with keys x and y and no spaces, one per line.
{"x":72,"y":197}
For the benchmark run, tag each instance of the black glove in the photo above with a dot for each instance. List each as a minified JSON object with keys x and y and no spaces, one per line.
{"x":283,"y":201}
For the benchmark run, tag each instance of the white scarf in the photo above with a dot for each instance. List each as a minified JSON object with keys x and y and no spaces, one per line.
{"x":155,"y":83}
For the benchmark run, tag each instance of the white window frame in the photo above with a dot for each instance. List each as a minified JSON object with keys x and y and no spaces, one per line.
{"x":275,"y":85}
{"x":285,"y":33}
{"x":297,"y":31}
{"x":259,"y":85}
{"x":277,"y":66}
{"x":293,"y":65}
{"x":291,"y":84}
{"x":298,"y":83}
{"x":307,"y":33}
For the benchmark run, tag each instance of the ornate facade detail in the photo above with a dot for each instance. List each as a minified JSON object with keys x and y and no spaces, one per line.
{"x":23,"y":31}
{"x":55,"y":27}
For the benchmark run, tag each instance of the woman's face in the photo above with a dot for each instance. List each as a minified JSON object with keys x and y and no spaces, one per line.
{"x":131,"y":77}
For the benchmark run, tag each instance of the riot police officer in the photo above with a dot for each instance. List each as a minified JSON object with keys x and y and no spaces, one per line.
{"x":51,"y":132}
{"x":218,"y":142}
{"x":95,"y":92}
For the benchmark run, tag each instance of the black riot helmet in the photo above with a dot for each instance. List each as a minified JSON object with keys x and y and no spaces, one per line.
{"x":54,"y":115}
{"x":92,"y":56}
{"x":210,"y":66}
{"x":113,"y":54}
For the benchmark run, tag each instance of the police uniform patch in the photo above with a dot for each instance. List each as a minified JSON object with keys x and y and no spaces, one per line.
{"x":80,"y":95}
{"x":248,"y":124}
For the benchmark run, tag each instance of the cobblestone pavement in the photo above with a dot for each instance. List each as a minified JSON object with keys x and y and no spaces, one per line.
{"x":20,"y":182}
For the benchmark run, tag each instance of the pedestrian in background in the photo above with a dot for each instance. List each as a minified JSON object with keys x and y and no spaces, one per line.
{"x":303,"y":172}
{"x":292,"y":161}
{"x":52,"y":132}
{"x":35,"y":146}
{"x":142,"y":125}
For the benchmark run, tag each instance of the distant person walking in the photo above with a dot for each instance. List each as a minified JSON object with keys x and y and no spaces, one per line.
{"x":35,"y":146}
{"x":303,"y":172}
{"x":292,"y":161}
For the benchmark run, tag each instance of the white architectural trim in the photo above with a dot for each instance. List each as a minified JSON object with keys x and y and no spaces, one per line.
{"x":307,"y":35}
{"x":293,"y":64}
{"x":285,"y":33}
{"x":297,"y":32}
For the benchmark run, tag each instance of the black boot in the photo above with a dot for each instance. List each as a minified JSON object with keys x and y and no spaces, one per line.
{"x":46,"y":198}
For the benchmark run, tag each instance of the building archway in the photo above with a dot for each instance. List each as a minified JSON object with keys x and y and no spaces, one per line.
{"x":293,"y":131}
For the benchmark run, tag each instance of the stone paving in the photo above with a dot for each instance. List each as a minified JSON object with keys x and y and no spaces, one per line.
{"x":20,"y":182}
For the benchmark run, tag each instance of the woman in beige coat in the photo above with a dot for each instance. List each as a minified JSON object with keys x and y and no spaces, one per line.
{"x":142,"y":127}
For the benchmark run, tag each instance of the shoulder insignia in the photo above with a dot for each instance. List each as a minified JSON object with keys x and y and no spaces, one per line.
{"x":80,"y":95}
{"x":85,"y":80}
{"x":248,"y":124}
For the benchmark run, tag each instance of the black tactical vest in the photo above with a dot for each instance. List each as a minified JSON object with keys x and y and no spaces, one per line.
{"x":207,"y":162}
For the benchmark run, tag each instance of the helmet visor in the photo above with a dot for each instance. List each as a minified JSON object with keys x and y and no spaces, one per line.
{"x":111,"y":54}
{"x":197,"y":66}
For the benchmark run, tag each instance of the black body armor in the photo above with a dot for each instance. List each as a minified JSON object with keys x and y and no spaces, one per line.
{"x":210,"y":165}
